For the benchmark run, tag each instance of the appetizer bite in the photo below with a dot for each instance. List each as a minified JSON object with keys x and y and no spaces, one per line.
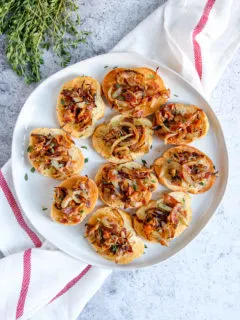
{"x":53,"y":153}
{"x":110,"y":233}
{"x":127,"y":185}
{"x":165,"y":219}
{"x":79,"y":106}
{"x":136,"y":92}
{"x":123,"y":138}
{"x":74,"y":199}
{"x":177,"y":123}
{"x":185,"y":168}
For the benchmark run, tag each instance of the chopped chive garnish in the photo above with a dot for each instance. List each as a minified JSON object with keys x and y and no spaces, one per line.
{"x":30,"y":149}
{"x":145,"y":246}
{"x":62,"y":101}
{"x":84,"y":147}
{"x":175,"y":95}
{"x":44,"y":208}
{"x":114,"y":248}
{"x":26,"y":177}
{"x":32,"y":169}
{"x":151,"y":76}
{"x":134,"y":187}
{"x":115,"y":67}
{"x":105,"y":67}
{"x":144,"y":162}
{"x":86,"y":160}
{"x":201,"y":183}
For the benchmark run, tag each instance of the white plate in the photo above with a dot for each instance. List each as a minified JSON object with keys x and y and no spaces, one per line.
{"x":39,"y":111}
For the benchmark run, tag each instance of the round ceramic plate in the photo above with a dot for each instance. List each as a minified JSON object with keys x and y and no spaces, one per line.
{"x":40,"y":111}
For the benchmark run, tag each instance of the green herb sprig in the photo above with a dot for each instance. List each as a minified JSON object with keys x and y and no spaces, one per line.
{"x":32,"y":26}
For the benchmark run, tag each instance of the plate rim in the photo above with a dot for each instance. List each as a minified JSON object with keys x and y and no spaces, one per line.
{"x":202,"y":222}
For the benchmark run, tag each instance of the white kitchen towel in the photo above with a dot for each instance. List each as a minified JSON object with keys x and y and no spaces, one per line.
{"x":38,"y":281}
{"x":195,"y":38}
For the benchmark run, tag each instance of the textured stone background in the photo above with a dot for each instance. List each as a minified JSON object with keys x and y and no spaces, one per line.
{"x":202,"y":282}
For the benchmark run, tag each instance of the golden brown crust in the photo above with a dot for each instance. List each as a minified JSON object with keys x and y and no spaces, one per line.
{"x":143,"y":221}
{"x":60,"y":160}
{"x":185,"y":168}
{"x":76,"y":188}
{"x":123,"y":139}
{"x":79,"y":106}
{"x":127,"y":185}
{"x":136,"y":92}
{"x":177,"y":123}
{"x":110,"y":233}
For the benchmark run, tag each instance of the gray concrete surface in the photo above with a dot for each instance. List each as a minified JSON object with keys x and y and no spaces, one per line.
{"x":202,"y":282}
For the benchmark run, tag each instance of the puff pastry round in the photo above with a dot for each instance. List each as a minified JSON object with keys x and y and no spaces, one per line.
{"x":128,"y":185}
{"x":123,"y":139}
{"x":164,"y":219}
{"x":53,"y":153}
{"x":110,"y":232}
{"x":185,"y":168}
{"x":74,"y":199}
{"x":79,"y":106}
{"x":136,"y":92}
{"x":180,"y":123}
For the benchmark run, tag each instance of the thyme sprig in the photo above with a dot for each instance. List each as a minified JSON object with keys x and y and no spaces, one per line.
{"x":31,"y":26}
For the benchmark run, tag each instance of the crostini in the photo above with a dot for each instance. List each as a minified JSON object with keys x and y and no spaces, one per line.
{"x":53,"y":153}
{"x":164,"y":219}
{"x":185,"y":168}
{"x":74,"y":199}
{"x":128,"y":185}
{"x":136,"y":92}
{"x":79,"y":106}
{"x":123,"y":139}
{"x":110,"y":232}
{"x":177,"y":123}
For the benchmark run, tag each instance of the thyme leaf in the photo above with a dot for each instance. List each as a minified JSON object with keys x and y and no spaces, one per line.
{"x":33,"y":26}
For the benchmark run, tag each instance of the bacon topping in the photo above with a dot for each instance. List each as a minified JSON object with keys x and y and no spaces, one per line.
{"x":52,"y":152}
{"x":129,"y":185}
{"x":188,"y":167}
{"x":132,"y":90}
{"x":78,"y":104}
{"x":111,"y":237}
{"x":71,"y":202}
{"x":161,"y":221}
{"x":172,"y":124}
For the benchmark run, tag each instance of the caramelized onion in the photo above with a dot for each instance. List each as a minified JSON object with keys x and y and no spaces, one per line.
{"x":110,"y":235}
{"x":160,"y":220}
{"x":125,"y":137}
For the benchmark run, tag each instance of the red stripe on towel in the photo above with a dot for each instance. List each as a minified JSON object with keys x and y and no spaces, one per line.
{"x":198,"y":29}
{"x":25,"y":283}
{"x":71,"y":283}
{"x":17,"y":212}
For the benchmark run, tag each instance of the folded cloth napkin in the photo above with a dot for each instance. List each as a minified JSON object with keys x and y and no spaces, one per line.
{"x":195,"y":38}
